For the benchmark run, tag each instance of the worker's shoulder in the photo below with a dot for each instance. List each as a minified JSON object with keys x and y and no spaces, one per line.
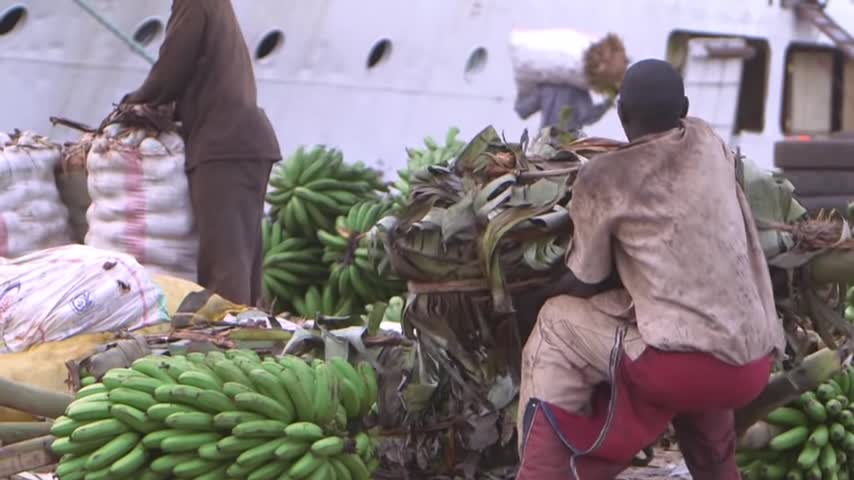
{"x":607,"y":170}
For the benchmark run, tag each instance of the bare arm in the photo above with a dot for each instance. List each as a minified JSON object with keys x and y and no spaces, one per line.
{"x":179,"y":54}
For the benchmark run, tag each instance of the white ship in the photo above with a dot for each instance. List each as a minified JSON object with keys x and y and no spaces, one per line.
{"x":374,"y":76}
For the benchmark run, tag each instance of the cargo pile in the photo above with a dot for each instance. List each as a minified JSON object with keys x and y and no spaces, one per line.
{"x":221,"y":415}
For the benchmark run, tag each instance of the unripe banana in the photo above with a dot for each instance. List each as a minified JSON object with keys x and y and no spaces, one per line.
{"x":191,"y":421}
{"x":269,"y":471}
{"x":111,"y":451}
{"x":269,"y":385}
{"x":91,"y":390}
{"x":130,"y":463}
{"x":238,"y":445}
{"x":66,"y":446}
{"x":187,"y":442}
{"x":198,"y":379}
{"x":166,"y":463}
{"x":341,"y":471}
{"x":141,"y":383}
{"x":134,"y":418}
{"x":152,"y":440}
{"x":325,"y":395}
{"x":305,"y":466}
{"x":229,"y":420}
{"x":257,"y":456}
{"x":301,"y":400}
{"x":99,"y":430}
{"x":230,"y":372}
{"x":264,"y":405}
{"x":231,"y":389}
{"x":153,"y":368}
{"x":88,"y":411}
{"x":70,"y":464}
{"x":304,"y":431}
{"x":328,"y":447}
{"x":63,"y":426}
{"x":195,"y":467}
{"x":211,"y":451}
{"x":260,"y":429}
{"x":358,"y":470}
{"x":292,"y":448}
{"x":160,"y":411}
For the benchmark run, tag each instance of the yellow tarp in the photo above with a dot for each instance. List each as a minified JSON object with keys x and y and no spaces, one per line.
{"x":44,"y":366}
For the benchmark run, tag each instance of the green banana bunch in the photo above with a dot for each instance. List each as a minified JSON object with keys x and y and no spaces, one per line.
{"x":311,"y":188}
{"x":432,"y":154}
{"x":221,"y":415}
{"x":355,"y":272}
{"x":324,"y":301}
{"x":291,"y":264}
{"x":816,"y":438}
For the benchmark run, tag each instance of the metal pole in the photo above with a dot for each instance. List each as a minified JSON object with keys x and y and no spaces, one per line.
{"x":136,"y":47}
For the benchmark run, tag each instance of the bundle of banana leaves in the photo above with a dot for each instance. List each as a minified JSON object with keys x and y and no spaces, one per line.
{"x":472,"y":233}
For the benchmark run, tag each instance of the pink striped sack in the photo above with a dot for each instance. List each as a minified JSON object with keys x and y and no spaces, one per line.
{"x":141,"y":199}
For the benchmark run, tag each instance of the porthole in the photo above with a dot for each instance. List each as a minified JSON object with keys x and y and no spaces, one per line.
{"x":270,"y":43}
{"x":379,"y":53}
{"x":148,"y":31}
{"x":476,"y":62}
{"x":12,"y":18}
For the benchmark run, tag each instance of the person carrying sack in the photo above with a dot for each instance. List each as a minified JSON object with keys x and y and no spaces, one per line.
{"x":665,"y":312}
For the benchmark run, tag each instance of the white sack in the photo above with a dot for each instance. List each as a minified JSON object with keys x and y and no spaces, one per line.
{"x":141,"y":199}
{"x":58,"y":293}
{"x":32,"y":216}
{"x":548,"y":56}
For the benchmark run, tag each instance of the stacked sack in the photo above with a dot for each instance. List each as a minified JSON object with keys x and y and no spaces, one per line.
{"x":221,"y":415}
{"x":141,"y":198}
{"x":32,"y":216}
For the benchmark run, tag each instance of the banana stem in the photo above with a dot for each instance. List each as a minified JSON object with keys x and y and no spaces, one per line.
{"x":33,"y":400}
{"x":260,"y":334}
{"x":14,"y":432}
{"x":787,"y":386}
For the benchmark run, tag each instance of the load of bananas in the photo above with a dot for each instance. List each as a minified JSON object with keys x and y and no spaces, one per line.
{"x":356,"y":270}
{"x":815,"y":439}
{"x":432,"y":154}
{"x":291,"y":264}
{"x":221,"y":415}
{"x":312,"y":187}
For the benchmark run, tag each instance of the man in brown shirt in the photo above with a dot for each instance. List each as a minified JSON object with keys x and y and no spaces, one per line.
{"x":205,"y":68}
{"x":666,"y":311}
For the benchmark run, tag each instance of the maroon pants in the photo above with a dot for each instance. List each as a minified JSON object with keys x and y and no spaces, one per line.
{"x":693,"y":390}
{"x":228,"y":202}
